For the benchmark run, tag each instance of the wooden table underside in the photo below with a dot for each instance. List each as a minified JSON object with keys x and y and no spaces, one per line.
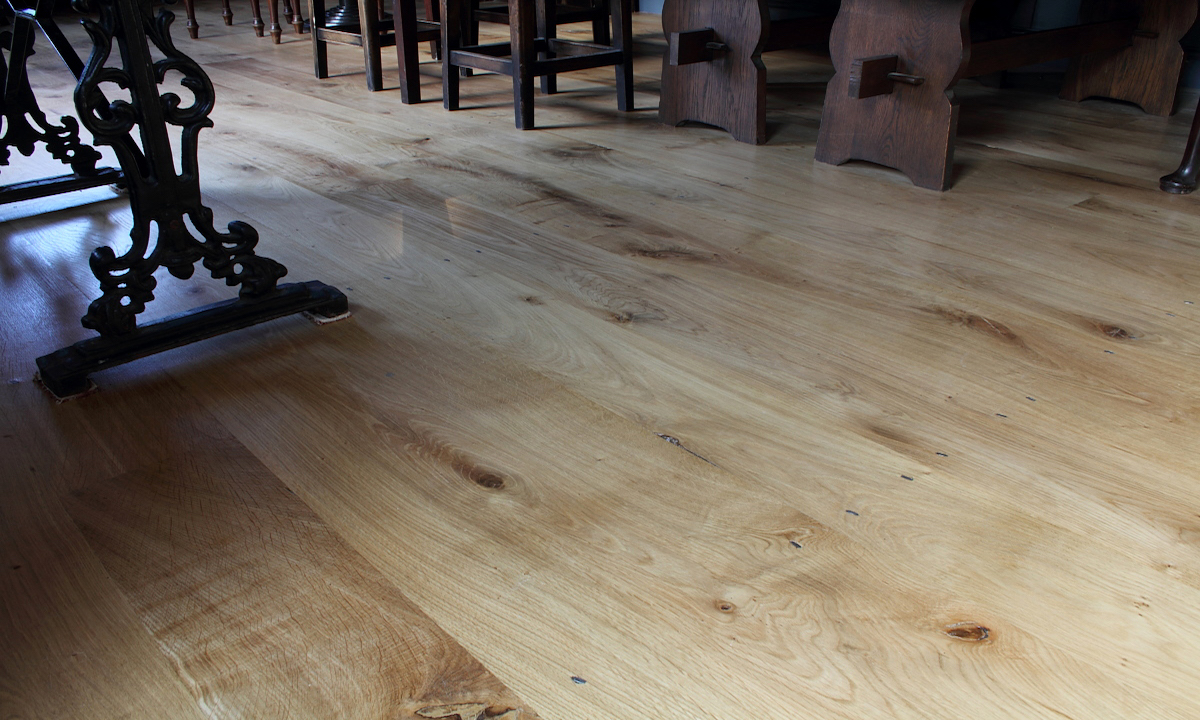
{"x":910,"y":127}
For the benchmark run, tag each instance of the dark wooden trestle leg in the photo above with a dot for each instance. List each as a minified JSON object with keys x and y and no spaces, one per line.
{"x":890,"y":101}
{"x":1146,"y":72}
{"x":163,"y":199}
{"x":713,"y":71}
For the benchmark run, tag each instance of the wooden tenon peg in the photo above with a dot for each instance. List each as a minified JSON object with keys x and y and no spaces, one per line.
{"x":877,"y":75}
{"x":693,"y":46}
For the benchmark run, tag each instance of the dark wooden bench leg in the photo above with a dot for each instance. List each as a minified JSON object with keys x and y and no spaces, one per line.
{"x":1145,"y":73}
{"x":404,"y":15}
{"x":316,"y":14}
{"x":1183,"y":180}
{"x":906,"y":125}
{"x":451,"y":41}
{"x":725,"y":88}
{"x":522,"y":29}
{"x":226,"y":12}
{"x":622,"y":23}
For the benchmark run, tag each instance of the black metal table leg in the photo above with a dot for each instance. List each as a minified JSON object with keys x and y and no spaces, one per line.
{"x":164,"y":200}
{"x":1183,"y":180}
{"x":25,"y":125}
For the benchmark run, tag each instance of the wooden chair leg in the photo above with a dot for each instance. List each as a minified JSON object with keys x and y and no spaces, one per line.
{"x":257,"y":22}
{"x":276,"y":29}
{"x":226,"y":12}
{"x":622,"y":23}
{"x":368,"y":21}
{"x":294,"y":16}
{"x":522,"y":28}
{"x":451,"y":41}
{"x":547,"y":27}
{"x":404,"y":18}
{"x":433,"y":14}
{"x":193,"y":27}
{"x":316,"y":14}
{"x":600,"y":32}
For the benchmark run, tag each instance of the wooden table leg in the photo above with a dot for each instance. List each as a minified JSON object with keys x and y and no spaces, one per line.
{"x":890,"y":101}
{"x":1145,"y":73}
{"x":713,"y":71}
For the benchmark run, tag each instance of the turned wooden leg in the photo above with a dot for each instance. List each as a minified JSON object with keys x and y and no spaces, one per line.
{"x":600,"y":31}
{"x":193,"y":27}
{"x":297,"y":17}
{"x":522,"y":28}
{"x":725,"y":86}
{"x":1145,"y":73}
{"x":226,"y":12}
{"x":257,"y":22}
{"x":368,"y":19}
{"x":890,"y":101}
{"x":276,"y":29}
{"x":1183,"y":180}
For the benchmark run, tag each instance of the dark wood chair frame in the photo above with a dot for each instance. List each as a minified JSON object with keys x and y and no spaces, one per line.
{"x":533,"y":51}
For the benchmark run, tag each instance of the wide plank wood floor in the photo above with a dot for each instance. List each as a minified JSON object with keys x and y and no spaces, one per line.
{"x":629,"y":421}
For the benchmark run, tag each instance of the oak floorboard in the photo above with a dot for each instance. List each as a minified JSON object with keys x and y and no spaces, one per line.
{"x":632,"y":421}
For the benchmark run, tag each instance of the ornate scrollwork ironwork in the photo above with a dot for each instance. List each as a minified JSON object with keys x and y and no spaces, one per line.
{"x":162,"y":198}
{"x":19,"y":107}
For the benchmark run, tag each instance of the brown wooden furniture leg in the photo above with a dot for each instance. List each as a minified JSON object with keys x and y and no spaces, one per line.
{"x":713,"y":71}
{"x":291,"y":9}
{"x":275,"y":28}
{"x":193,"y":27}
{"x":257,"y":22}
{"x":547,"y":27}
{"x":522,"y":24}
{"x":1183,"y":180}
{"x":621,"y":12}
{"x":368,"y":18}
{"x":433,"y":14}
{"x":226,"y":12}
{"x":1147,"y":72}
{"x":890,"y":101}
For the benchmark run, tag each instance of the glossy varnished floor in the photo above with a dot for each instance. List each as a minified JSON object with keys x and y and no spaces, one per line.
{"x":629,"y":421}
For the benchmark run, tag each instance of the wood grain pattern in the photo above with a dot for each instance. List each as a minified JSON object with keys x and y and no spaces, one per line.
{"x":261,"y":608}
{"x":648,"y":423}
